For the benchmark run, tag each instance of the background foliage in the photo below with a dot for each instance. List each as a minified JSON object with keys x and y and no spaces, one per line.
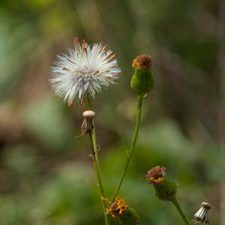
{"x":45,"y":174}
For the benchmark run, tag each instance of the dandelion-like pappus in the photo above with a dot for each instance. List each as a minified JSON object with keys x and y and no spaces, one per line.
{"x":83,"y":72}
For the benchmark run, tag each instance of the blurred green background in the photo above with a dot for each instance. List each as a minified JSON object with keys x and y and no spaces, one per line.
{"x":45,"y":175}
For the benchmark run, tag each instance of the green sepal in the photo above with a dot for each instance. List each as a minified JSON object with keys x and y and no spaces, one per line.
{"x":142,"y":81}
{"x":129,"y":217}
{"x":166,"y":190}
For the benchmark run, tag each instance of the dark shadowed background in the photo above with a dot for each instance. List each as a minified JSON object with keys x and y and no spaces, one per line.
{"x":46,"y":176}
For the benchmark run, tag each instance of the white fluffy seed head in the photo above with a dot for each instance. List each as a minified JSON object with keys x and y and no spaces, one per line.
{"x":83,"y":71}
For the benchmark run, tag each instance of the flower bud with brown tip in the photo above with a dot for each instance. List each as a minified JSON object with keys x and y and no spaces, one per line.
{"x":164,"y":188}
{"x":142,"y":81}
{"x":125,"y":214}
{"x":87,"y":125}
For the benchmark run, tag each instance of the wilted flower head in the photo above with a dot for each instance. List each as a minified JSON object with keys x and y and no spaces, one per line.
{"x":116,"y":208}
{"x":201,"y":215}
{"x":83,"y":71}
{"x":87,"y":125}
{"x":143,"y":62}
{"x":156,"y":175}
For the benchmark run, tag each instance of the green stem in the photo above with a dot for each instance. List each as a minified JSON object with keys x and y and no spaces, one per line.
{"x":97,"y":170}
{"x":96,"y":165}
{"x":139,"y":109}
{"x":186,"y":220}
{"x":93,"y":131}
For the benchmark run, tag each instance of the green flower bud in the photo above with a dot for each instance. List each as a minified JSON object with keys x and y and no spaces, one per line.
{"x":120,"y":210}
{"x":164,"y":188}
{"x":142,"y":81}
